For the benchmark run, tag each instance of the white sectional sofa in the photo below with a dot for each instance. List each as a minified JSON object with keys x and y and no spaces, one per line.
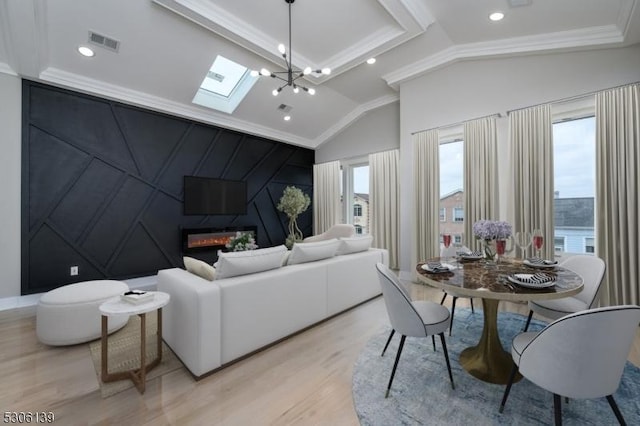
{"x":209,"y":324}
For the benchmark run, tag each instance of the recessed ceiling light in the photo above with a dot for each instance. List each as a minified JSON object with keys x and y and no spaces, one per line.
{"x":287,"y":117}
{"x":371,"y":61}
{"x":85,"y":51}
{"x":496,"y":16}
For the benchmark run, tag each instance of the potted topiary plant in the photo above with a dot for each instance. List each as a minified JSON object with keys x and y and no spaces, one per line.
{"x":293,"y":202}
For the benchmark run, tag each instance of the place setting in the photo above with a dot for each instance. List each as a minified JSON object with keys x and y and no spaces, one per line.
{"x":539,"y":280}
{"x":437,"y":267}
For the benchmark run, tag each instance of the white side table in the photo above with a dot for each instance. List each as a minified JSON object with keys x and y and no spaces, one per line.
{"x":116,"y":306}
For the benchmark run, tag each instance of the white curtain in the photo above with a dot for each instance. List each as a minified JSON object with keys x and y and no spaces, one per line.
{"x":531,"y":138}
{"x":326,"y":196}
{"x":480,"y":174}
{"x":384,"y":194}
{"x":617,"y":188}
{"x":426,"y":171}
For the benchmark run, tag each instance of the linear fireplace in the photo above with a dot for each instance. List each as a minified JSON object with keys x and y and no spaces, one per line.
{"x":211,"y":239}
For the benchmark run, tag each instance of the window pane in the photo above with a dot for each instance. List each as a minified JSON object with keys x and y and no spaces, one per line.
{"x":360,"y":206}
{"x":574,"y":180}
{"x":451,"y":195}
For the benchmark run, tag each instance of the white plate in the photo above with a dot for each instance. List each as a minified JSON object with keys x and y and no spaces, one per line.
{"x":446,"y":265}
{"x":539,"y":265}
{"x":514,"y":279}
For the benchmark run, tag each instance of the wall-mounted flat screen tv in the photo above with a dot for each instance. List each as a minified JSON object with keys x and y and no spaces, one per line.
{"x":204,"y":196}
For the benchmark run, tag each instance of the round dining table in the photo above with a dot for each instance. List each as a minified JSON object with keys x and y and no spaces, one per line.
{"x":488,"y":361}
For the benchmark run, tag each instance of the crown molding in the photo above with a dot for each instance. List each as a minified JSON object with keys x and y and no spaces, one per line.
{"x":353,"y":116}
{"x":133,"y":97}
{"x":627,"y":10}
{"x":594,"y":36}
{"x":6,"y":69}
{"x":412,"y":18}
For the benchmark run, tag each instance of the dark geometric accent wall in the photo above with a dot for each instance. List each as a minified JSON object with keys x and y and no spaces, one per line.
{"x":102,"y":186}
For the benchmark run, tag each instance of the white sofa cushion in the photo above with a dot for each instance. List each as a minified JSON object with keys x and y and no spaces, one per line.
{"x":354,"y":244}
{"x":249,"y":262}
{"x":200,"y":268}
{"x":310,"y":252}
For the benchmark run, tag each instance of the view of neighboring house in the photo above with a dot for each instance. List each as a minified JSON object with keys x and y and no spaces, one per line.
{"x":574,"y":224}
{"x":574,"y":227}
{"x":361,"y":213}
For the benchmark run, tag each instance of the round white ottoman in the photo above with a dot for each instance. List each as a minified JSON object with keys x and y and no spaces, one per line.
{"x":69,"y":315}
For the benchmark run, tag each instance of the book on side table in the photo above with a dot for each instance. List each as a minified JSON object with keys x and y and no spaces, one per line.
{"x":137,"y":297}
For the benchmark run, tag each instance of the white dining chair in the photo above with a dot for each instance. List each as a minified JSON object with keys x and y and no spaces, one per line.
{"x":448,"y":252}
{"x":591,"y":270}
{"x":414,"y":319}
{"x":579,"y":356}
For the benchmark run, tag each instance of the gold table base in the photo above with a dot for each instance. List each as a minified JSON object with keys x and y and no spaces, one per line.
{"x":488,"y":361}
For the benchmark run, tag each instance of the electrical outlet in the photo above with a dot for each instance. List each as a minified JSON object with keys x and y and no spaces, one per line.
{"x":73,"y":271}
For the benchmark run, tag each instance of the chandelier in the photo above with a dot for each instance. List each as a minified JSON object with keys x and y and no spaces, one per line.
{"x":291,"y":75}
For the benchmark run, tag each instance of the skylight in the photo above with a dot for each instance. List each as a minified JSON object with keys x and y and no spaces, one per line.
{"x":224,"y":86}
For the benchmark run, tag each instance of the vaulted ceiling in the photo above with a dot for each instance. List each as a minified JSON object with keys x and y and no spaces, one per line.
{"x":167,"y":46}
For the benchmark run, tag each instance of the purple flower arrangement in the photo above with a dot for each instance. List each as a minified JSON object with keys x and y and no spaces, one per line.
{"x":491,"y":230}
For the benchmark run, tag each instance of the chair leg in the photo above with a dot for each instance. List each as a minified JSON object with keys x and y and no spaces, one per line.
{"x":444,"y":296}
{"x":514,"y":370}
{"x":433,"y":340}
{"x":616,"y":410}
{"x":395,"y":364}
{"x":526,"y":326}
{"x":388,"y":341}
{"x":453,"y":309}
{"x":557,"y":409}
{"x":471,"y":301}
{"x":446,"y":358}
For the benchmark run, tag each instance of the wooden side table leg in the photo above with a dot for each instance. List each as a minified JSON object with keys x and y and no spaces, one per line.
{"x":104,"y":358}
{"x":159,"y":333}
{"x":143,"y":352}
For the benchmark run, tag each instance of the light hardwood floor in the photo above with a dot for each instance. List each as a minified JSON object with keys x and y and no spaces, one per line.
{"x":305,"y":380}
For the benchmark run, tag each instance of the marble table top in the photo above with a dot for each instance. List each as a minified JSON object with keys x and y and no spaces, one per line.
{"x":116,"y":306}
{"x":479,"y":279}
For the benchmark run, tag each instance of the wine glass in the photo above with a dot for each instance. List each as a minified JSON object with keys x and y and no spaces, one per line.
{"x":538,"y":240}
{"x":501,"y":246}
{"x":523,"y":241}
{"x":446,"y":239}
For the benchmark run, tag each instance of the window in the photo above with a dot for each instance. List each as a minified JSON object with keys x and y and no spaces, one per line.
{"x":589,"y":245}
{"x":457,"y":239}
{"x":574,"y":180}
{"x":451,"y":171}
{"x":355,"y":189}
{"x":224,"y":86}
{"x":458,"y":214}
{"x":558,"y":244}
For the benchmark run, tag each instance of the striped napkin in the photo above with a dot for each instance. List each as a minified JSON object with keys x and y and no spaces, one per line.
{"x":538,"y":261}
{"x":470,"y":253}
{"x":437,"y":267}
{"x":539,"y":278}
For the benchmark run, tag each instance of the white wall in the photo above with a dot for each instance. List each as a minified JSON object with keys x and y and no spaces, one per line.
{"x":10,"y":186}
{"x":472,"y":89}
{"x":377,"y":130}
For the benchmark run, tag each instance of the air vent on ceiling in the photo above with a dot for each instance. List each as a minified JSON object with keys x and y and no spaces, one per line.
{"x":284,"y":108}
{"x":215,"y":76}
{"x":104,"y":41}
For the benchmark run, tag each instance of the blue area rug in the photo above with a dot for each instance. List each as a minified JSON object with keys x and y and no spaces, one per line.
{"x":421,"y":393}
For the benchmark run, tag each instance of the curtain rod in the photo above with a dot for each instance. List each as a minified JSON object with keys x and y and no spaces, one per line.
{"x":571,"y":98}
{"x":498,"y":115}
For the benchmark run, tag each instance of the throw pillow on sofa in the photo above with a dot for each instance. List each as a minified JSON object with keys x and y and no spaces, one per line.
{"x":310,"y":252}
{"x":249,"y":262}
{"x":354,"y":244}
{"x":199,"y":268}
